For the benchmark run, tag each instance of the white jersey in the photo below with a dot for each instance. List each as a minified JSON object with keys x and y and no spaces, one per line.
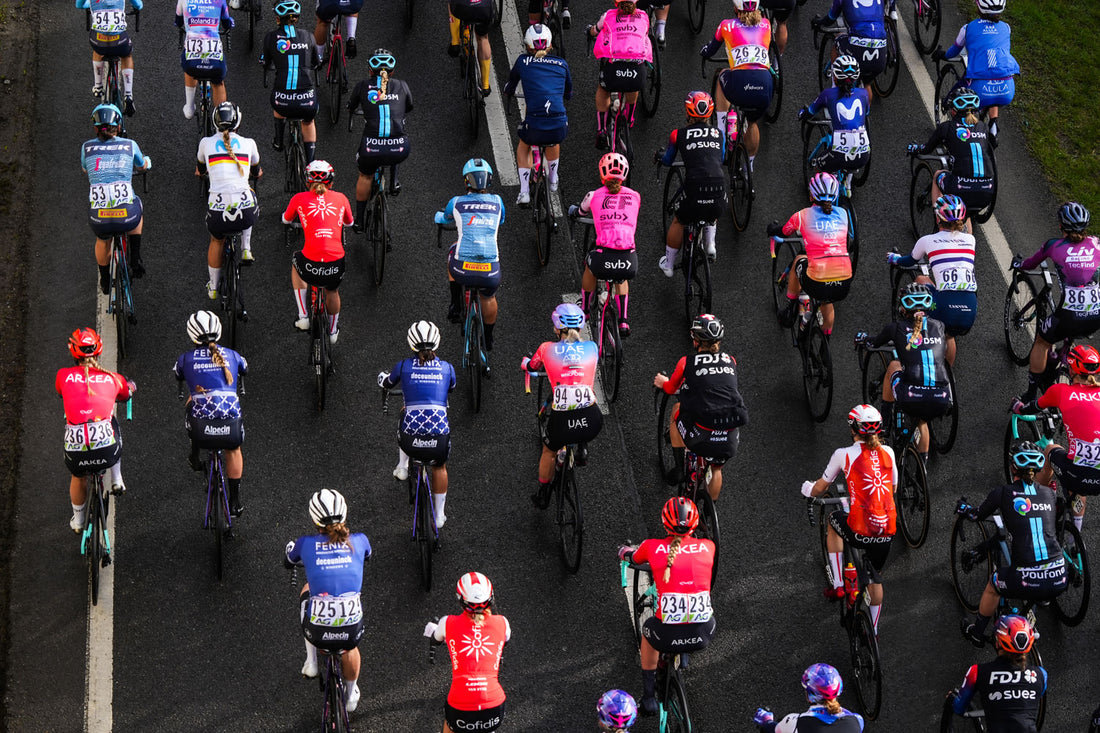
{"x":229,"y":185}
{"x":950,"y":256}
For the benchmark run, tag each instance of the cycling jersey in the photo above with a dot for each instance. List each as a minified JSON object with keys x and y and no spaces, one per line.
{"x":383,"y":115}
{"x":1077,"y":266}
{"x":685,"y":597}
{"x":107,"y":32}
{"x":614,"y":215}
{"x":1009,"y":695}
{"x":1028,"y":514}
{"x":987,"y":45}
{"x":425,"y":387}
{"x":700,"y":147}
{"x":971,"y":148}
{"x":825,"y":239}
{"x":623,"y":37}
{"x":871,"y":476}
{"x":291,"y":53}
{"x":864,"y":18}
{"x":922,"y":355}
{"x":90,"y":400}
{"x":570,"y":365}
{"x":331,"y":569}
{"x":848,"y":116}
{"x":817,"y":720}
{"x":110,"y":167}
{"x":213,"y":397}
{"x":475,"y":651}
{"x":1080,"y":408}
{"x":478,"y":216}
{"x":950,"y":258}
{"x":229,"y":184}
{"x":746,"y":45}
{"x":708,"y":390}
{"x":203,"y":56}
{"x":547,"y":83}
{"x":322,"y":217}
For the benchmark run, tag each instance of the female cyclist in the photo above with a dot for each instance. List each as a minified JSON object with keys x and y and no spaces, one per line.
{"x":329,"y":11}
{"x":870,"y":519}
{"x":575,"y":417}
{"x":232,"y":162}
{"x":950,"y":255}
{"x":865,"y":40}
{"x":322,"y":213}
{"x":824,"y":272}
{"x":616,"y":711}
{"x":109,"y":39}
{"x":331,"y":606}
{"x":780,"y":11}
{"x":710,"y":412}
{"x":614,"y":209}
{"x":114,"y":208}
{"x":823,"y":686}
{"x":200,"y":22}
{"x":479,"y":13}
{"x":623,"y":47}
{"x":289,"y":51}
{"x":846,"y":106}
{"x":970,"y":147}
{"x":93,"y":441}
{"x":213,"y":418}
{"x":547,"y":83}
{"x":385,"y":101}
{"x":474,"y":260}
{"x":704,"y":189}
{"x":683,"y":619}
{"x":475,"y":640}
{"x":747,"y":83}
{"x":1076,"y":258}
{"x":425,"y":432}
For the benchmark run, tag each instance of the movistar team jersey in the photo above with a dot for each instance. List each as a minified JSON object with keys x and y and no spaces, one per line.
{"x":291,"y":53}
{"x":864,"y":18}
{"x":1028,"y":514}
{"x":817,"y":720}
{"x":383,"y":114}
{"x":213,"y":397}
{"x":987,"y":45}
{"x":847,"y":112}
{"x":110,"y":161}
{"x":547,"y":83}
{"x":330,"y":569}
{"x":477,"y":216}
{"x":426,"y":387}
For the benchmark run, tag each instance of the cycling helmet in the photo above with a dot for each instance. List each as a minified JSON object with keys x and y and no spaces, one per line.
{"x":320,"y":172}
{"x":825,"y":187}
{"x":1073,"y":217}
{"x":680,"y":516}
{"x":474,"y":592}
{"x":917,"y":297}
{"x":991,"y":7}
{"x":1014,"y":634}
{"x":706,"y":327}
{"x":85,"y":342}
{"x":226,"y":116}
{"x":566,"y":316}
{"x":423,"y":335}
{"x":699,"y":105}
{"x":1026,"y":454}
{"x":746,"y":5}
{"x":288,"y":7}
{"x":616,"y":710}
{"x":328,"y":507}
{"x":822,"y":682}
{"x":863,"y":420}
{"x":845,"y":68}
{"x":106,"y":115}
{"x":204,"y":327}
{"x":965,"y":99}
{"x":382,"y":59}
{"x":614,"y":166}
{"x":537,"y":37}
{"x":1083,"y":359}
{"x":950,"y":208}
{"x":478,"y":174}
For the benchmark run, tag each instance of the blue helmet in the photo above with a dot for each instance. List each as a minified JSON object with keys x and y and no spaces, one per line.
{"x":1026,"y":455}
{"x":478,"y":174}
{"x":917,"y":297}
{"x":617,"y":710}
{"x":822,"y":682}
{"x":107,"y":115}
{"x":965,"y":99}
{"x":566,"y":316}
{"x":288,"y":7}
{"x":382,"y":59}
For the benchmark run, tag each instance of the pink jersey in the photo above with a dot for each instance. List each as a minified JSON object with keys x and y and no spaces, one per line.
{"x":746,"y":45}
{"x":1080,"y":408}
{"x":568,"y":364}
{"x":623,"y":37}
{"x":825,"y":237}
{"x":615,"y":216}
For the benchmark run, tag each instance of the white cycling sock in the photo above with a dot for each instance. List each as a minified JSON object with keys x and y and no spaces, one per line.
{"x":1078,"y":521}
{"x":215,"y":275}
{"x":524,"y":180}
{"x":402,"y":459}
{"x":552,"y":169}
{"x":300,"y":301}
{"x":349,"y":685}
{"x":116,"y":474}
{"x":670,"y":256}
{"x":189,"y":95}
{"x":99,"y":72}
{"x":752,"y":163}
{"x":661,"y":28}
{"x":78,"y":512}
{"x":834,"y":568}
{"x":128,"y":82}
{"x":709,"y":232}
{"x":353,"y":23}
{"x":439,"y":500}
{"x":332,"y":328}
{"x":246,"y":240}
{"x":876,"y":611}
{"x":320,"y":49}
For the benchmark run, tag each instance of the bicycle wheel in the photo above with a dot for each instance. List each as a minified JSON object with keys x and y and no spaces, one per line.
{"x":677,"y":716}
{"x":708,"y":514}
{"x":776,"y":104}
{"x":1072,"y":605}
{"x":866,"y":664}
{"x":220,"y":517}
{"x":622,"y":142}
{"x":872,"y":365}
{"x":298,"y":168}
{"x":410,"y":10}
{"x":94,"y":530}
{"x":1024,"y":311}
{"x":651,"y":86}
{"x":253,"y":12}
{"x":642,"y":604}
{"x":853,"y":230}
{"x":741,"y":193}
{"x":1035,"y":660}
{"x":821,"y":515}
{"x":697,"y":289}
{"x":943,"y":430}
{"x":945,"y":82}
{"x":472,"y":92}
{"x":914,"y":505}
{"x":971,"y":565}
{"x":611,"y":352}
{"x":545,"y":225}
{"x":697,"y":10}
{"x":557,"y":38}
{"x":781,"y":269}
{"x":335,"y":715}
{"x":231,"y":274}
{"x":121,"y":298}
{"x":425,"y":529}
{"x":474,"y":352}
{"x":887,"y":81}
{"x":335,"y":79}
{"x":982,"y":215}
{"x":379,"y":236}
{"x":922,"y":215}
{"x":927,"y":21}
{"x":318,"y":357}
{"x":570,"y":520}
{"x":817,"y":374}
{"x":815,"y":142}
{"x":673,"y":194}
{"x":824,"y":61}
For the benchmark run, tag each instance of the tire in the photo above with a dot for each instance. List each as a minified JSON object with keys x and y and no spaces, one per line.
{"x":297,"y":170}
{"x":425,"y":534}
{"x":811,"y":143}
{"x":611,"y":354}
{"x":1017,"y":318}
{"x":945,"y":82}
{"x":673,"y":193}
{"x":821,"y":514}
{"x":824,"y":61}
{"x":622,"y":142}
{"x":676,"y":707}
{"x":740,"y":187}
{"x":970,"y":571}
{"x":651,"y":88}
{"x":219,"y":521}
{"x":817,"y":374}
{"x":335,"y":82}
{"x":697,"y":286}
{"x":776,"y":104}
{"x":697,"y":11}
{"x":944,"y":430}
{"x":887,"y":81}
{"x":664,"y":406}
{"x":781,"y":268}
{"x":557,"y":38}
{"x":1072,"y":605}
{"x":853,"y":230}
{"x":643,"y":610}
{"x":545,"y":226}
{"x":474,"y":349}
{"x":712,"y":529}
{"x":472,"y":93}
{"x":873,"y":366}
{"x":252,"y":11}
{"x":911,"y":498}
{"x":410,"y":13}
{"x":120,"y":298}
{"x":922,"y":215}
{"x":570,"y":519}
{"x":866,"y":664}
{"x":334,"y":718}
{"x":379,"y":236}
{"x":94,"y":549}
{"x":927,"y":22}
{"x":319,"y":345}
{"x":231,"y":302}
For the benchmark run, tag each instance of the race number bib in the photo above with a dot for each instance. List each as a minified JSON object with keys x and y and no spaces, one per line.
{"x":203,"y":49}
{"x":89,"y":436}
{"x":958,"y":278}
{"x":749,"y":54}
{"x":572,"y":397}
{"x":108,"y":21}
{"x":110,"y":195}
{"x":1085,"y":454}
{"x":851,"y":143}
{"x":231,"y":201}
{"x":685,"y":608}
{"x":335,"y":610}
{"x":1082,"y":298}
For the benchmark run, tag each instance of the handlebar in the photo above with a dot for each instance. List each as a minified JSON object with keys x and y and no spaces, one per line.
{"x":820,"y":501}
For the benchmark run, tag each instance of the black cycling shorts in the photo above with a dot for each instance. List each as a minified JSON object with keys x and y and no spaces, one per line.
{"x":750,"y":90}
{"x":295,"y":105}
{"x":716,"y":446}
{"x":875,"y":549}
{"x":781,"y":9}
{"x":329,"y":9}
{"x":920,"y":401}
{"x":487,"y":719}
{"x":120,"y":46}
{"x":702,"y":203}
{"x":478,"y":12}
{"x":1039,"y":583}
{"x":872,"y":61}
{"x":570,"y":427}
{"x":976,"y":193}
{"x":122,"y":219}
{"x":430,"y":449}
{"x":204,"y":69}
{"x":956,"y":309}
{"x":482,"y":276}
{"x":823,"y":292}
{"x":87,"y":462}
{"x":226,"y":434}
{"x":616,"y":265}
{"x":549,"y":131}
{"x":325,"y":275}
{"x":222,"y":223}
{"x":675,"y":638}
{"x":1064,"y":324}
{"x":622,"y":76}
{"x":375,"y":153}
{"x":1080,"y":480}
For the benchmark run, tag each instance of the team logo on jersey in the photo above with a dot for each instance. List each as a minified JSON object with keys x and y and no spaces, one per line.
{"x":962,"y":133}
{"x":319,"y":208}
{"x":219,"y":146}
{"x":282,"y":45}
{"x":1022,"y":505}
{"x":476,"y":645}
{"x":112,"y":213}
{"x":850,"y":112}
{"x":1031,"y":675}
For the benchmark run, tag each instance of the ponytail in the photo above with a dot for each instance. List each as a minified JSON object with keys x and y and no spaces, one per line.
{"x":383,"y":81}
{"x":918,"y":329}
{"x":337,"y":534}
{"x":971,"y":118}
{"x":673,"y":551}
{"x":572,"y":335}
{"x":832,"y":707}
{"x":425,"y":356}
{"x":826,"y":206}
{"x":613,"y":185}
{"x":218,"y":358}
{"x":229,"y":149}
{"x":89,"y":362}
{"x":318,"y":188}
{"x":872,"y":441}
{"x":625,"y":9}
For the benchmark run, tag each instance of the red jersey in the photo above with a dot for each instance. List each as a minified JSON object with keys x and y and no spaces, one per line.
{"x":685,"y":598}
{"x":871,"y":477}
{"x":323,"y":218}
{"x":1080,"y":407}
{"x":92,"y":400}
{"x":475,"y":659}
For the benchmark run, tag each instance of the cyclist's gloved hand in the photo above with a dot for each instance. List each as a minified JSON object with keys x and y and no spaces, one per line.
{"x":1017,"y":407}
{"x":763,"y":716}
{"x":808,"y":489}
{"x":804,"y":114}
{"x":439,"y":218}
{"x":625,"y":551}
{"x":817,"y":21}
{"x":588,"y":30}
{"x":938,"y":54}
{"x":574,"y":210}
{"x":229,"y":23}
{"x":1017,"y":260}
{"x":523,"y":364}
{"x":861,"y":337}
{"x":148,"y":163}
{"x":913,"y":148}
{"x":892,"y":258}
{"x":703,"y":51}
{"x":657,"y":155}
{"x":429,"y":629}
{"x":775,"y":229}
{"x":382,"y":377}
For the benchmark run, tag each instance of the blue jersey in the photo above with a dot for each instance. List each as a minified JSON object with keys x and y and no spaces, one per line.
{"x":108,"y":21}
{"x":847,"y":112}
{"x":212,"y":395}
{"x":864,"y":18}
{"x":987,"y":45}
{"x":202,"y":18}
{"x":426,"y":387}
{"x":333,"y":570}
{"x":477,"y":216}
{"x":546,"y":85}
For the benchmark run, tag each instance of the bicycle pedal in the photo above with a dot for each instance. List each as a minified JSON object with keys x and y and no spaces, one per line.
{"x":106,"y":560}
{"x":242,"y":316}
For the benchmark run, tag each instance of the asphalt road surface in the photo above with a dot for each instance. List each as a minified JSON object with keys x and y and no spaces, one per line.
{"x":191,"y":653}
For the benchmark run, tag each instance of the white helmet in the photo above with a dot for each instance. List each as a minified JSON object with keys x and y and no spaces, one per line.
{"x":746,"y":5}
{"x":204,"y":327}
{"x":865,"y":420}
{"x":992,"y":7}
{"x":474,"y":592}
{"x":537,"y":37}
{"x":328,"y":507}
{"x":423,"y":335}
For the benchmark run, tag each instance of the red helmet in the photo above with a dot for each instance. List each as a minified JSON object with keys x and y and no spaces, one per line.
{"x":1083,"y":360}
{"x":85,"y":342}
{"x":865,"y":420}
{"x":680,"y":515}
{"x":1014,"y":634}
{"x":698,"y":105}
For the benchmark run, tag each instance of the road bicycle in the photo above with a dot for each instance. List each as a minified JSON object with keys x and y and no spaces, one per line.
{"x":546,"y":224}
{"x":650,"y":94}
{"x":738,"y":168}
{"x":195,"y":48}
{"x":120,"y":296}
{"x":826,"y":39}
{"x":95,"y":541}
{"x":922,"y":212}
{"x":376,"y":228}
{"x":855,"y":611}
{"x":604,"y":318}
{"x":254,"y":9}
{"x":110,"y":22}
{"x":1027,"y":307}
{"x":775,"y":61}
{"x":817,"y":141}
{"x":475,"y":357}
{"x":232,"y":296}
{"x":693,"y":260}
{"x":321,"y":361}
{"x":294,"y":153}
{"x":927,"y":22}
{"x":552,"y":19}
{"x":470,"y":70}
{"x":336,"y":68}
{"x":334,"y":708}
{"x":972,"y":719}
{"x":806,"y":332}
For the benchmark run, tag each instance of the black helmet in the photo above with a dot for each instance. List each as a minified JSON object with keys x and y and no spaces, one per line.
{"x":706,"y":327}
{"x":916,"y":297}
{"x":226,"y":116}
{"x":1073,"y":217}
{"x":1026,"y":455}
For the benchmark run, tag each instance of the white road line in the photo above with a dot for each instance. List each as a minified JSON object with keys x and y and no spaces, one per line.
{"x":586,"y":334}
{"x":503,"y":154}
{"x":99,"y":684}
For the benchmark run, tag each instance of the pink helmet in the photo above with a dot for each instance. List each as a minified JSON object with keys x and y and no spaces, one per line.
{"x":614,"y":166}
